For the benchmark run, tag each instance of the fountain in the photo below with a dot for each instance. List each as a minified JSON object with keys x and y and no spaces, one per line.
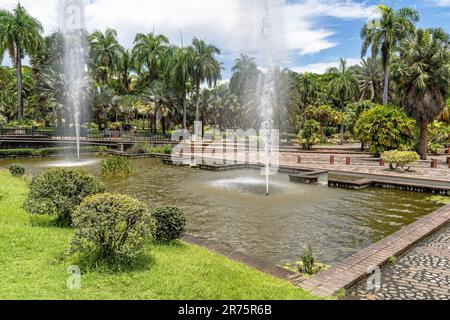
{"x":266,"y":90}
{"x":75,"y":54}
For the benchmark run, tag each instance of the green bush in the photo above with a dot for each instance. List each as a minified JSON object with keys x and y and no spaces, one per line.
{"x":111,"y":228}
{"x":385,"y":128}
{"x":166,"y":149}
{"x":17,"y":170}
{"x":140,"y":148}
{"x":10,"y":153}
{"x":400,"y":159}
{"x":170,"y":224}
{"x":438,"y":136}
{"x":310,"y":134}
{"x":59,"y":191}
{"x":116,"y":166}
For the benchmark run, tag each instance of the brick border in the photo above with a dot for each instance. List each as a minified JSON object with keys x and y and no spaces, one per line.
{"x":347,"y":273}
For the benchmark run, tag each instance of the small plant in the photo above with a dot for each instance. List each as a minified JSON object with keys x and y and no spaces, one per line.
{"x":17,"y":170}
{"x":393,"y":260}
{"x":310,"y":134}
{"x":59,"y":191}
{"x":170,"y":224}
{"x":116,"y":166}
{"x":308,"y":261}
{"x":111,"y":228}
{"x":400,"y":160}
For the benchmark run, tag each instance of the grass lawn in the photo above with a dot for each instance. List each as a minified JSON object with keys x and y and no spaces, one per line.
{"x":30,"y":268}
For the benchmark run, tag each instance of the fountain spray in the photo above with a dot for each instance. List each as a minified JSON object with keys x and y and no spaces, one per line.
{"x":266,"y":88}
{"x":75,"y":60}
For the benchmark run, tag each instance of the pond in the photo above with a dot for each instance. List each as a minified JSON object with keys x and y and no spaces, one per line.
{"x":231,"y":209}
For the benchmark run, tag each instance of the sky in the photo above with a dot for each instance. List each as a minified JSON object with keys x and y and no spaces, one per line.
{"x":304,"y":35}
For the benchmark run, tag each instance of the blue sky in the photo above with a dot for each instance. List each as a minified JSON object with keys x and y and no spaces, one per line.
{"x":310,"y":34}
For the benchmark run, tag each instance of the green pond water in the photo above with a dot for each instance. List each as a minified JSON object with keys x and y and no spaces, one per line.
{"x":231,"y":209}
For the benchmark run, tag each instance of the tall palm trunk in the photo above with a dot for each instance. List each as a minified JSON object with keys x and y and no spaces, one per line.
{"x":197,"y":103}
{"x":386,"y":86}
{"x":184,"y":111}
{"x":423,"y":145}
{"x":19,"y":82}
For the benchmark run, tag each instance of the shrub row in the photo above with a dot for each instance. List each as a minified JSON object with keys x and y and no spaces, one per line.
{"x":7,"y":153}
{"x":143,"y":148}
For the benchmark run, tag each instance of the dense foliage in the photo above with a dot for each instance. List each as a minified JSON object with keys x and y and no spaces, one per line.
{"x":111,"y":228}
{"x":17,"y":170}
{"x":385,"y":128}
{"x":170,"y":224}
{"x":116,"y":166}
{"x":59,"y":191}
{"x":310,"y":134}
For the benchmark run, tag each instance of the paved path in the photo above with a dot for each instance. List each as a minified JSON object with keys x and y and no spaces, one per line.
{"x":422,"y":273}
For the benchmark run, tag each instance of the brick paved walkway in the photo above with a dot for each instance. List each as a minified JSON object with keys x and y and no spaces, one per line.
{"x":422,"y":273}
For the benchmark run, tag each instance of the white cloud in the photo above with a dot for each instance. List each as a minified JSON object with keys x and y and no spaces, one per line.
{"x":442,"y":3}
{"x":233,"y":25}
{"x":322,"y":67}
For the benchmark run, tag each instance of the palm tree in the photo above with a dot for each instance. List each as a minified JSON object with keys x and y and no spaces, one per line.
{"x":103,"y":100}
{"x":180,"y":71}
{"x":105,"y":53}
{"x":148,"y":52}
{"x":425,"y":78}
{"x":205,"y":68}
{"x":128,"y":105}
{"x":243,"y":83}
{"x":20,"y":35}
{"x":124,"y":73}
{"x":344,"y":88}
{"x":385,"y":34}
{"x":370,"y":75}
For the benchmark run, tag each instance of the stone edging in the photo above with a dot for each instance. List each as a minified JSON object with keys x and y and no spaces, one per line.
{"x":352,"y":270}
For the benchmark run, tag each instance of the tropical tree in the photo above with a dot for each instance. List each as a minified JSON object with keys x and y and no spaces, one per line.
{"x":205,"y":67}
{"x":148,"y":52}
{"x":103,"y":100}
{"x":425,"y":78}
{"x":180,"y":70}
{"x":384,"y":34}
{"x":385,"y":128}
{"x":124,"y":73}
{"x":105,"y":54}
{"x":370,"y":76}
{"x":244,"y":81}
{"x":20,"y":35}
{"x":344,"y":88}
{"x":128,"y":105}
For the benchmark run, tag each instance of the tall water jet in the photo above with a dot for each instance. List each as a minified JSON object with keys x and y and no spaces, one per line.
{"x":71,"y":13}
{"x":267,"y":93}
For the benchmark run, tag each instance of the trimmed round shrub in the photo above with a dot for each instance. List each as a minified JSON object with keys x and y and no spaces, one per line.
{"x":17,"y":170}
{"x":170,"y":224}
{"x":400,"y":160}
{"x":111,"y":228}
{"x":59,"y":191}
